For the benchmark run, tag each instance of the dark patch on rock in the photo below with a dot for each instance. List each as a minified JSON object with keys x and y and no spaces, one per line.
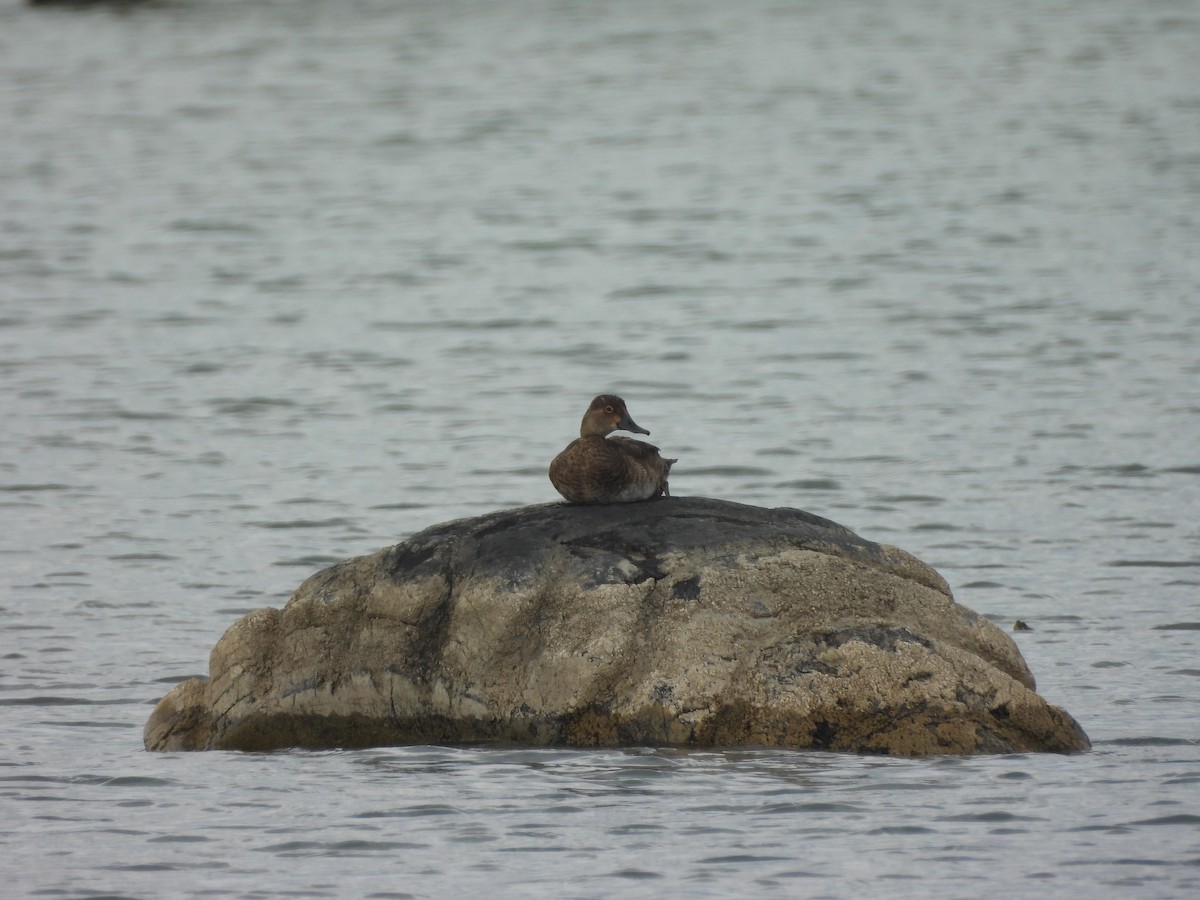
{"x":688,"y":589}
{"x":823,"y":735}
{"x":883,"y":638}
{"x":415,"y":559}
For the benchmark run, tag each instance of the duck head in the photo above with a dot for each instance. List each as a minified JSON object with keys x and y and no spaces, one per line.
{"x":606,"y":415}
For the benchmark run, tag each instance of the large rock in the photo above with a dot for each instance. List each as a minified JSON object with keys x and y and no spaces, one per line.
{"x":679,"y":621}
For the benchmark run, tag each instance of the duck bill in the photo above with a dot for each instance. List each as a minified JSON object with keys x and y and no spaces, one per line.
{"x":627,"y":424}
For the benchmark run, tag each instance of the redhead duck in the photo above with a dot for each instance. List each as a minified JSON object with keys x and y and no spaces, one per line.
{"x":599,"y":469}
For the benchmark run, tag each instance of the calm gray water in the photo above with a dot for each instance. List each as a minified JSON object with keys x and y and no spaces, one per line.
{"x":283,"y":282}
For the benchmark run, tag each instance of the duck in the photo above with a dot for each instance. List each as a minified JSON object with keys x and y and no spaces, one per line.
{"x":596,"y":468}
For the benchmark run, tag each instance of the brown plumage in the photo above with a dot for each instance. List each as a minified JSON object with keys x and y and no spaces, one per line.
{"x":596,"y":468}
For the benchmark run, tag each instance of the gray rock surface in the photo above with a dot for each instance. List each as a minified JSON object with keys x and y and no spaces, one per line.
{"x":677,"y":621}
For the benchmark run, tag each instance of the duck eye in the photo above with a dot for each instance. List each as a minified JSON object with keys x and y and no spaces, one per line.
{"x":608,"y":409}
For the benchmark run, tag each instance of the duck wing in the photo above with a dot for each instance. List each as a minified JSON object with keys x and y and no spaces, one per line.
{"x":635,"y":449}
{"x":644,"y":466}
{"x":588,"y":470}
